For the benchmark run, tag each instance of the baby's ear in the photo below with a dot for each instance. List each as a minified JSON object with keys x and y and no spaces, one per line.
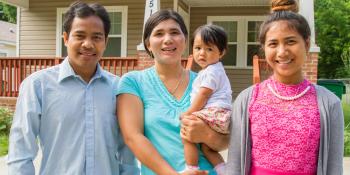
{"x":222,"y":53}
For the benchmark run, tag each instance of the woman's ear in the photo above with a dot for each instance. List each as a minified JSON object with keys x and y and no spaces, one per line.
{"x":307,"y":44}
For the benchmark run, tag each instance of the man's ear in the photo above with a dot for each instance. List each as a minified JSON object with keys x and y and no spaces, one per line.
{"x":106,"y":40}
{"x":65,"y":38}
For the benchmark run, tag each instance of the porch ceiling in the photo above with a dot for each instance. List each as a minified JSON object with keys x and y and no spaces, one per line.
{"x":217,"y":3}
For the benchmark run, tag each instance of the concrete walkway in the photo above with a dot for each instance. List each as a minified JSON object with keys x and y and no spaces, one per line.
{"x":4,"y":170}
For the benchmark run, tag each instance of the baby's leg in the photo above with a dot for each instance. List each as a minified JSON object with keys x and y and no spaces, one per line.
{"x":191,"y":155}
{"x":214,"y":158}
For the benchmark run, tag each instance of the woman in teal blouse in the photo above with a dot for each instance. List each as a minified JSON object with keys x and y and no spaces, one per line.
{"x":150,"y":102}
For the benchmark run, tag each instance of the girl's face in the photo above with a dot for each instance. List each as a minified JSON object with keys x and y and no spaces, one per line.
{"x":203,"y":54}
{"x":167,"y":42}
{"x":285,"y":52}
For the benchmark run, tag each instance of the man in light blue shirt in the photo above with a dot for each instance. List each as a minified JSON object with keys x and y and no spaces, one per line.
{"x":69,"y":109}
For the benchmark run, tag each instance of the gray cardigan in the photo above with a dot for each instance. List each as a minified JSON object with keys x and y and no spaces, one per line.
{"x":330,"y":158}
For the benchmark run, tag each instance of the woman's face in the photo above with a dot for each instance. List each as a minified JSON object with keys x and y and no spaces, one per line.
{"x":285,"y":52}
{"x":167,"y":42}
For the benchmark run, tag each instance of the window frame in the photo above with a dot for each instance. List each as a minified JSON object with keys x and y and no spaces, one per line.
{"x":123,"y":35}
{"x":242,"y":37}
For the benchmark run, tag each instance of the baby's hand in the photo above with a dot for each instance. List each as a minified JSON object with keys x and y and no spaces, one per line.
{"x":194,"y":172}
{"x":184,"y":114}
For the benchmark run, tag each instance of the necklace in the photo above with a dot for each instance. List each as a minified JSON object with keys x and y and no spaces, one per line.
{"x":178,"y":83}
{"x":288,"y":98}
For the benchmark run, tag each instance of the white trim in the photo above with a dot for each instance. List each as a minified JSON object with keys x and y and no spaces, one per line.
{"x":242,"y":43}
{"x":124,"y":32}
{"x":307,"y":10}
{"x":123,"y":35}
{"x":186,"y":18}
{"x":18,"y":30}
{"x":10,"y":43}
{"x":4,"y":52}
{"x":59,"y":13}
{"x":176,"y":5}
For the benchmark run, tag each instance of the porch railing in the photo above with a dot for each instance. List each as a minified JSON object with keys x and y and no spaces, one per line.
{"x":13,"y":70}
{"x":261,"y":69}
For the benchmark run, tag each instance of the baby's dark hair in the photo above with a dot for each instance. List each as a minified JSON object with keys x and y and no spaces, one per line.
{"x":212,"y":34}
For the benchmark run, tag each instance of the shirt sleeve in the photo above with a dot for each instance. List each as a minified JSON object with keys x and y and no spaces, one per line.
{"x":23,"y":146}
{"x":336,"y":139}
{"x":129,"y":84}
{"x":210,"y":80}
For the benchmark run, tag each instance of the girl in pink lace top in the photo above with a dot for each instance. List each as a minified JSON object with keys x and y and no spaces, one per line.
{"x":283,"y":126}
{"x":285,"y":133}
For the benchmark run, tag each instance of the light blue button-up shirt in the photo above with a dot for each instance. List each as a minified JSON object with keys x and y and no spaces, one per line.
{"x":74,"y":122}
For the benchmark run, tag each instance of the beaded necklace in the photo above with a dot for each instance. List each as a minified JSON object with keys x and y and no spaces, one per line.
{"x":286,"y":97}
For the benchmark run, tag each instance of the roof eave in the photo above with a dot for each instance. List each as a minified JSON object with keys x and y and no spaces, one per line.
{"x":18,"y":3}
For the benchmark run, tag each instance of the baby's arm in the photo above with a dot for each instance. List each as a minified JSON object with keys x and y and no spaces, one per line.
{"x":200,"y":100}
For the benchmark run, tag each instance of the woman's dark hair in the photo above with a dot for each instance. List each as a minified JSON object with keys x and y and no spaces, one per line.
{"x":212,"y":34}
{"x":82,"y":10}
{"x":285,"y":10}
{"x":157,"y":18}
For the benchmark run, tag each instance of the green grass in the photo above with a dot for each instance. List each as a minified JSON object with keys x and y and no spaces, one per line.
{"x":3,"y":144}
{"x":346,"y":111}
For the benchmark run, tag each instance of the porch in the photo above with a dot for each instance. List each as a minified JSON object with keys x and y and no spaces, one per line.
{"x":13,"y":70}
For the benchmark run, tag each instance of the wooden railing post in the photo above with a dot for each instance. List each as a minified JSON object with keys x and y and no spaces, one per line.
{"x":256,"y":69}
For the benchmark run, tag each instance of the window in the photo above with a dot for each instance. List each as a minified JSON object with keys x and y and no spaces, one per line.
{"x":3,"y":54}
{"x":253,"y":45}
{"x":117,"y":38}
{"x":230,"y":58}
{"x":243,"y":42}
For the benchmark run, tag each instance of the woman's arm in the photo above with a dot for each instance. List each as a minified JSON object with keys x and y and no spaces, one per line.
{"x":196,"y":130}
{"x":130,"y":117}
{"x":336,"y":140}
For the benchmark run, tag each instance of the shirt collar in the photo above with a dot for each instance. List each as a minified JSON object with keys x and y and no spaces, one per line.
{"x":66,"y":70}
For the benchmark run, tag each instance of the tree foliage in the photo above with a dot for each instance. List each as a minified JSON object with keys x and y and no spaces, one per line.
{"x":8,"y":13}
{"x":332,"y":19}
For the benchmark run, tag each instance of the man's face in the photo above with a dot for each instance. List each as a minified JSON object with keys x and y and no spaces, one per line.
{"x":85,"y":43}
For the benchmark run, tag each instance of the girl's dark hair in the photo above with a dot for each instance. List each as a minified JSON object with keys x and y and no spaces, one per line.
{"x":212,"y":34}
{"x":158,"y":17}
{"x":80,"y":9}
{"x":285,"y":10}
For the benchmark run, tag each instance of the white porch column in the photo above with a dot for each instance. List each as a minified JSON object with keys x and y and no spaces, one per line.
{"x":306,"y":8}
{"x":151,"y":7}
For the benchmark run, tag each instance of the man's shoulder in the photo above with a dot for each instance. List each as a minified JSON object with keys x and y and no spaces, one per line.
{"x":43,"y":75}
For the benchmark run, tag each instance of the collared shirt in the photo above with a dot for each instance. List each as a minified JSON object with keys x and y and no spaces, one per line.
{"x":73,"y":121}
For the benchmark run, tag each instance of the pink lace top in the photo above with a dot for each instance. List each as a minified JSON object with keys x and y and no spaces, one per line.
{"x":285,"y":133}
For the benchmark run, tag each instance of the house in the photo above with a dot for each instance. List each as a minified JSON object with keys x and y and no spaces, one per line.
{"x":7,"y":39}
{"x":40,"y":29}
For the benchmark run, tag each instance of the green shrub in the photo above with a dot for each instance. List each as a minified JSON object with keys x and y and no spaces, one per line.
{"x":4,"y":144}
{"x":347,"y":143}
{"x":5,"y":120}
